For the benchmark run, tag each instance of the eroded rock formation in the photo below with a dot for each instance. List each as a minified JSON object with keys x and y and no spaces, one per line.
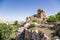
{"x":40,"y":16}
{"x":35,"y":35}
{"x":39,"y":32}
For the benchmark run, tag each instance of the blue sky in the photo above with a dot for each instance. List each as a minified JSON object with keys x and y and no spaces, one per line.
{"x":20,"y":9}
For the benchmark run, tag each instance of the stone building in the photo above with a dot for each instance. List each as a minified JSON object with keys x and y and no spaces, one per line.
{"x":39,"y":17}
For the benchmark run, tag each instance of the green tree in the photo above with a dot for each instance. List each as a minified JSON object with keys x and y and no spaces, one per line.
{"x":16,"y":23}
{"x":5,"y":31}
{"x":51,"y":19}
{"x":58,"y":16}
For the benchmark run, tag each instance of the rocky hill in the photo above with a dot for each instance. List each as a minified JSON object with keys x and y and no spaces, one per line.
{"x":39,"y":17}
{"x":35,"y":29}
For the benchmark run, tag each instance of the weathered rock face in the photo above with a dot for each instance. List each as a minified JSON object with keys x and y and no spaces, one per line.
{"x":40,"y":16}
{"x":42,"y":13}
{"x":20,"y":34}
{"x":35,"y":35}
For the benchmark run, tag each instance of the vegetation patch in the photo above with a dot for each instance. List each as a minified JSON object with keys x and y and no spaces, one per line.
{"x":6,"y":31}
{"x":31,"y":26}
{"x":34,"y":21}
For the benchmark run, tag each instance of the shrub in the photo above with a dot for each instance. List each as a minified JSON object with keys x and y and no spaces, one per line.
{"x":33,"y":20}
{"x":31,"y":26}
{"x":5,"y":31}
{"x":58,"y":16}
{"x":51,"y":19}
{"x":16,"y":23}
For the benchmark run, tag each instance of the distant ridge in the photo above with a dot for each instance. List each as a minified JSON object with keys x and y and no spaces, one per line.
{"x":9,"y":22}
{"x":5,"y":21}
{"x":2,"y":21}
